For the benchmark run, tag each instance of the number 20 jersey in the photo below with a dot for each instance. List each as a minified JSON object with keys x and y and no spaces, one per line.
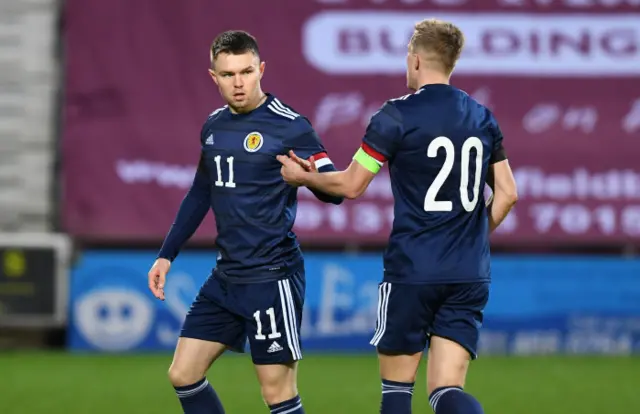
{"x":439,"y":143}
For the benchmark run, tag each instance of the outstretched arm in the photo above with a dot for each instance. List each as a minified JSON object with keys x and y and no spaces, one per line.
{"x":380,"y":143}
{"x":350,"y":183}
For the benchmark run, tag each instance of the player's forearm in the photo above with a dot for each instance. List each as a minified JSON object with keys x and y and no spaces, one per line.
{"x":327,"y":198}
{"x":499,"y":208}
{"x":192,"y":212}
{"x":331,"y":183}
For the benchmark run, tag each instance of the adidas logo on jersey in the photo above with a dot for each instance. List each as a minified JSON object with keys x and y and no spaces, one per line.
{"x":274,"y":347}
{"x":209,"y":140}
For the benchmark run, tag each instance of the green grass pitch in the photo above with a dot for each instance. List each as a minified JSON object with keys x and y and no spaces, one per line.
{"x":59,"y":383}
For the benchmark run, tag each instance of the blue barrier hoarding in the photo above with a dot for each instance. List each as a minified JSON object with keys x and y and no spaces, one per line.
{"x":539,"y":304}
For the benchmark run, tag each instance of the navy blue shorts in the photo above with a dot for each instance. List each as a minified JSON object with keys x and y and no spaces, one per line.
{"x":408,"y":314}
{"x":269,"y":314}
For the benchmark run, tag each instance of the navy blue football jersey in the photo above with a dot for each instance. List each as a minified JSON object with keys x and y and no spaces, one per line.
{"x":239,"y":178}
{"x":439,"y":143}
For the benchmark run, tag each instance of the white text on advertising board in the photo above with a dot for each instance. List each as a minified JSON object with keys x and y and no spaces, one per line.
{"x":516,"y":44}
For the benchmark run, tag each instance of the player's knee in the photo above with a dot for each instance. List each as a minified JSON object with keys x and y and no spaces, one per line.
{"x":448,"y":373}
{"x":180,"y":377}
{"x":398,"y":367}
{"x":447,"y":365}
{"x":277,"y":394}
{"x":278,"y":386}
{"x":445,"y":381}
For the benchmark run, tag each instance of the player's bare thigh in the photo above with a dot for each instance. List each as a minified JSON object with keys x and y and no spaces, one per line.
{"x":278,"y":382}
{"x":192,"y":359}
{"x":399,"y":368}
{"x":447,"y":364}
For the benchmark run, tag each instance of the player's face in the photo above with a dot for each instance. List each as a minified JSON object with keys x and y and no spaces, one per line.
{"x":238,"y":79}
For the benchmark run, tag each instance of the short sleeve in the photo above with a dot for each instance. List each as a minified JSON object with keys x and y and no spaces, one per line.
{"x":308,"y":144}
{"x":382,"y":138}
{"x":498,"y":154}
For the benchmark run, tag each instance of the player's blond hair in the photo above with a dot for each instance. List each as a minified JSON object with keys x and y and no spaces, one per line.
{"x":439,"y":41}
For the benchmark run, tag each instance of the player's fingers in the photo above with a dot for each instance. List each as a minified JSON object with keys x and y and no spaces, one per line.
{"x":301,"y":162}
{"x":284,"y":160}
{"x":305,"y":164}
{"x":312,"y":164}
{"x":297,"y":159}
{"x":294,"y":157}
{"x":153,"y":284}
{"x":160,"y":286}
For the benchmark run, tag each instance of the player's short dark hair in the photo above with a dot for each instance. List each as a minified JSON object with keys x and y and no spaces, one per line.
{"x":439,"y":40}
{"x":234,"y":42}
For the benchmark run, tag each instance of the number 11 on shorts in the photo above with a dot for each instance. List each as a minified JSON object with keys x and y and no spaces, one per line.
{"x":274,"y":329}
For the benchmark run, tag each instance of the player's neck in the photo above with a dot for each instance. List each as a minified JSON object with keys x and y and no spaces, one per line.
{"x":432,"y":78}
{"x":261,"y":97}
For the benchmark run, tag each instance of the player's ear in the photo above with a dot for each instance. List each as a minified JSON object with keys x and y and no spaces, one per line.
{"x":416,"y":62}
{"x":261,"y":69}
{"x":213,"y":76}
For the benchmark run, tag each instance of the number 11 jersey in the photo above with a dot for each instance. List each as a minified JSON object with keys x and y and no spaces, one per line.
{"x":439,"y":143}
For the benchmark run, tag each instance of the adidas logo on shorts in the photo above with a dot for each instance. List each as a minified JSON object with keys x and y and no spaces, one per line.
{"x":274,"y":347}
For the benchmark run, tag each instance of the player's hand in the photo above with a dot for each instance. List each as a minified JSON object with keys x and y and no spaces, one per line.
{"x":158,"y":276}
{"x":292,"y":172}
{"x":308,"y":165}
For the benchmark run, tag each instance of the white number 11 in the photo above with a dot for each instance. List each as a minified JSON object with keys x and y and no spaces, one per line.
{"x":274,"y":328}
{"x":219,"y":182}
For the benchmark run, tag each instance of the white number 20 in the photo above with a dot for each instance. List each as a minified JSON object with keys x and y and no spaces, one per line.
{"x":430,"y":203}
